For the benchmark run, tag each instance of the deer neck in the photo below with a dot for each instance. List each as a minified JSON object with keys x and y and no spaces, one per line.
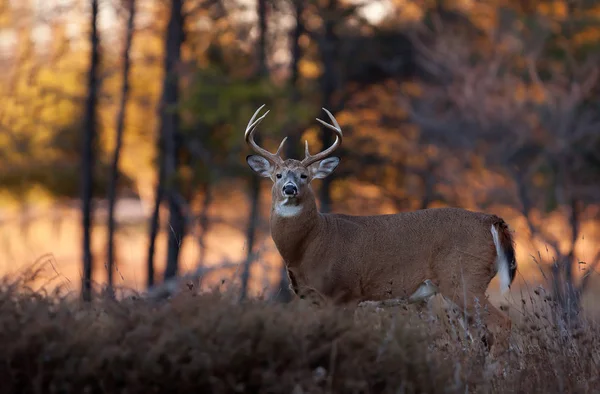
{"x":293,"y":227}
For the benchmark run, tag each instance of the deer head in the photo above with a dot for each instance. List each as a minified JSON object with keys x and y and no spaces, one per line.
{"x":291,"y":178}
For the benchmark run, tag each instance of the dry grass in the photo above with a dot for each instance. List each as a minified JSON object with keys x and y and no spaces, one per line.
{"x":209,"y":344}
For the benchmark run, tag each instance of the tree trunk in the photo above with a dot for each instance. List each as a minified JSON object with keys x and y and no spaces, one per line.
{"x":255,"y":181}
{"x":176,"y":233}
{"x":87,"y":159}
{"x":204,"y":222}
{"x":168,"y":145}
{"x":292,"y":147}
{"x":112,"y":189}
{"x":171,"y":137}
{"x":155,"y":219}
{"x":328,"y":87}
{"x":283,"y":293}
{"x":571,"y":301}
{"x":251,"y":232}
{"x":262,"y":39}
{"x":428,"y":179}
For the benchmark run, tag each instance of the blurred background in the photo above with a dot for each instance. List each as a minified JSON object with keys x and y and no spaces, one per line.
{"x":122,"y":158}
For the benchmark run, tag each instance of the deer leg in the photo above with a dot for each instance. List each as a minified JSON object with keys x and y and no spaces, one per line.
{"x":496,"y":324}
{"x":499,"y":325}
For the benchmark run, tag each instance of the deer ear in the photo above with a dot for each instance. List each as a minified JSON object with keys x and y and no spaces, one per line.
{"x":260,"y":165}
{"x":324,"y":168}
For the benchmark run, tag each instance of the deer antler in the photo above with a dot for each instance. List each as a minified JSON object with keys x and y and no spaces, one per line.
{"x":249,"y":136}
{"x":308,"y":159}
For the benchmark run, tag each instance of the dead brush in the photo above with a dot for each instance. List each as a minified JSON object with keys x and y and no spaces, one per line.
{"x":569,"y":353}
{"x":205,"y":342}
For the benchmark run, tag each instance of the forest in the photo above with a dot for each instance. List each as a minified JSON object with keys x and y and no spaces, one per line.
{"x":123,"y":175}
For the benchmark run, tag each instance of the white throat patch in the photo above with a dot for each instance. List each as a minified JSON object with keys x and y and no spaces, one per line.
{"x":286,"y":210}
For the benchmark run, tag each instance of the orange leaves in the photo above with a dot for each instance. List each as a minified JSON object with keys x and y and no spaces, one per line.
{"x":484,"y":16}
{"x":537,"y":94}
{"x":410,"y":12}
{"x":304,"y":41}
{"x":370,"y":115}
{"x":520,"y":92}
{"x":227,"y":38}
{"x":312,"y":136}
{"x":310,"y":69}
{"x":590,"y":35}
{"x":529,"y":93}
{"x":555,"y":9}
{"x":343,"y":118}
{"x":412,"y":89}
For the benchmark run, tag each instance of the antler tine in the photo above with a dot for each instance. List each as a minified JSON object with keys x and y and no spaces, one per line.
{"x":281,"y":146}
{"x":249,"y":137}
{"x":253,"y":124}
{"x":336,"y":127}
{"x":308,"y":159}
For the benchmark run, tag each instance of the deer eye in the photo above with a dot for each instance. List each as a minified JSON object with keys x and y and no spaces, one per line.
{"x":303,"y":176}
{"x":279,"y":176}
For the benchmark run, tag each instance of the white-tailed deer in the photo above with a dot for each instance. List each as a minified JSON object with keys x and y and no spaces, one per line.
{"x":350,"y":259}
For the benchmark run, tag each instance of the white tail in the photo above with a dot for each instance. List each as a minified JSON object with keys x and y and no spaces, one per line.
{"x":502,"y":263}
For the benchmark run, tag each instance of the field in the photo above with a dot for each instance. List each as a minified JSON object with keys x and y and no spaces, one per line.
{"x":210,"y":343}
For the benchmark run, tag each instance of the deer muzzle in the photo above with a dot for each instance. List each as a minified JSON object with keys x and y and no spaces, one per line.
{"x":290,"y":190}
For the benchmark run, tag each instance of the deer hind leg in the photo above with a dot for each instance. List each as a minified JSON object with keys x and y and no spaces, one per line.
{"x":470,"y":296}
{"x":499,"y":326}
{"x":495,"y":323}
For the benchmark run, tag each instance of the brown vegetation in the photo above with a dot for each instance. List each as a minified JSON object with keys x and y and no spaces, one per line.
{"x":210,"y":343}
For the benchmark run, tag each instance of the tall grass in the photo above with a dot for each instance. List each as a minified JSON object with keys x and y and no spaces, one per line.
{"x":210,"y":343}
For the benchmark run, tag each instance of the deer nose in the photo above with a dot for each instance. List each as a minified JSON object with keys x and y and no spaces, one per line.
{"x":290,"y":189}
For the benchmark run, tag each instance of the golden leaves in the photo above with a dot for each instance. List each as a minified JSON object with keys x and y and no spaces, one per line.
{"x":312,"y":136}
{"x":344,"y":118}
{"x":555,"y":9}
{"x":370,"y":115}
{"x":412,"y":89}
{"x":484,"y":16}
{"x":537,"y":94}
{"x":227,"y":38}
{"x":588,"y":35}
{"x":520,"y":92}
{"x":529,"y":93}
{"x":309,"y":69}
{"x":410,"y":12}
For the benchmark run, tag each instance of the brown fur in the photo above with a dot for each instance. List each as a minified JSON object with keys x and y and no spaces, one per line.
{"x":348,"y":259}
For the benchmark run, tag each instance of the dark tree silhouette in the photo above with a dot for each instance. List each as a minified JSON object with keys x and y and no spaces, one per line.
{"x":172,"y":138}
{"x":294,"y":131}
{"x":112,"y":190}
{"x":255,"y":181}
{"x":329,"y":85}
{"x":169,"y":145}
{"x":87,"y":153}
